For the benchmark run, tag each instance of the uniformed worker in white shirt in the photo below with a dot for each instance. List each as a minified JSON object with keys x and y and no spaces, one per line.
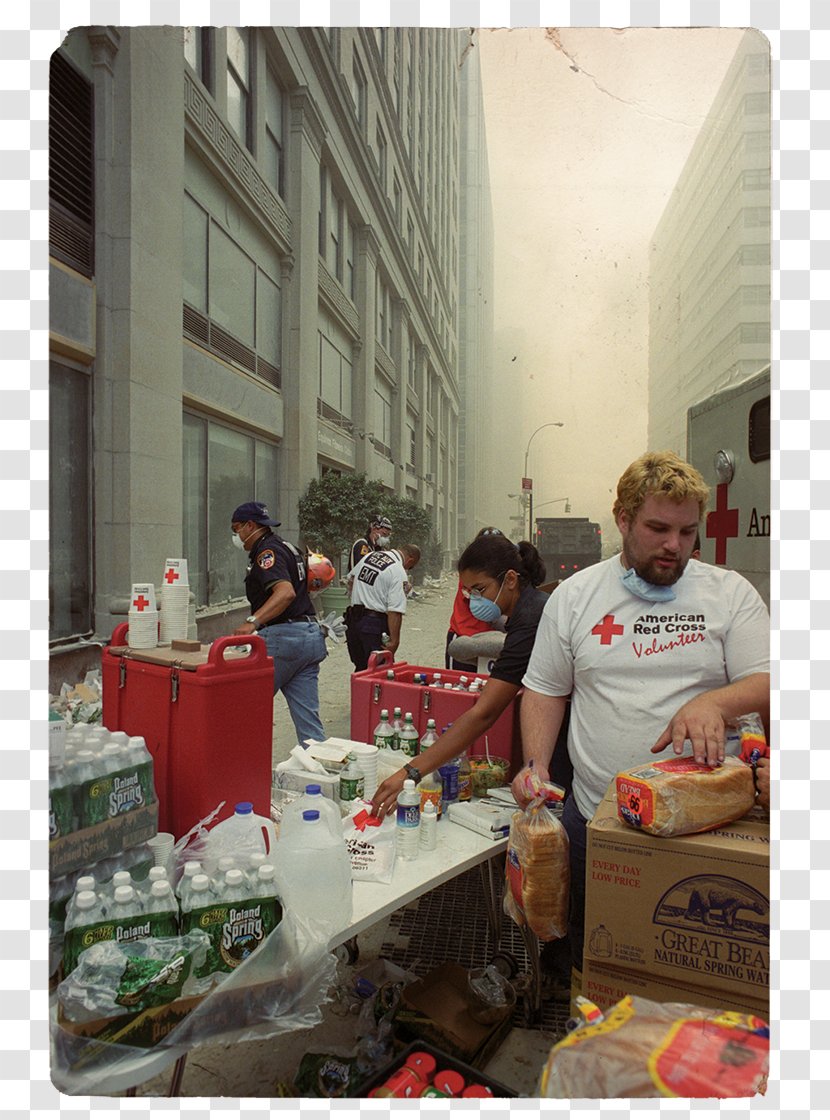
{"x":378,"y":601}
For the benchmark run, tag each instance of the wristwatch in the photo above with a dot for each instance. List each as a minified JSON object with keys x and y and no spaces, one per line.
{"x":253,"y":618}
{"x":412,"y":772}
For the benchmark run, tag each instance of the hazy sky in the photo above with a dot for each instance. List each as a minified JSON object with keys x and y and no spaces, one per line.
{"x":587,"y":132}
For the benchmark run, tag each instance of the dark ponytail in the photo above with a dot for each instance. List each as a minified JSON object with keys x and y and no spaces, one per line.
{"x":495,"y":554}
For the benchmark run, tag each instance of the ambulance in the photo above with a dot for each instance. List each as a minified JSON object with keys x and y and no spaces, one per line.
{"x":728,"y":440}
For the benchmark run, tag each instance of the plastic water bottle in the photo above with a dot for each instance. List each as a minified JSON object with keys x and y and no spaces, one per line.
{"x":397,"y":728}
{"x":184,"y":887}
{"x":138,"y":752}
{"x":223,"y":865}
{"x":234,"y":888}
{"x":241,"y":834}
{"x":408,"y":821}
{"x":351,"y":782}
{"x":266,"y":887}
{"x":408,"y":737}
{"x":465,"y":778}
{"x":85,"y":884}
{"x":61,"y":808}
{"x":313,"y":798}
{"x":195,"y":897}
{"x":164,"y":908}
{"x":430,"y":736}
{"x":316,"y":873}
{"x":384,"y":735}
{"x":430,"y":788}
{"x":88,"y":912}
{"x":449,"y":782}
{"x":57,"y":738}
{"x":429,"y":827}
{"x":125,"y":908}
{"x":113,"y":757}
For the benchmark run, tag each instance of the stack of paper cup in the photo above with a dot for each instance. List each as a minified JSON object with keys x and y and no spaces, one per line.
{"x":367,"y":760}
{"x":175,"y":596}
{"x":143,"y":617}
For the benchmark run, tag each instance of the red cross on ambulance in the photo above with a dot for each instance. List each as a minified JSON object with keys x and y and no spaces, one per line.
{"x":607,"y":629}
{"x":722,"y":523}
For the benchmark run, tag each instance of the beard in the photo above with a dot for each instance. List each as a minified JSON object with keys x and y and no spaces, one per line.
{"x":661,"y":577}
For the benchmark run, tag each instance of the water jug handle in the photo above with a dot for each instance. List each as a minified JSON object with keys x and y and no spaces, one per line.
{"x":258,"y":654}
{"x":379,"y":658}
{"x":119,"y":634}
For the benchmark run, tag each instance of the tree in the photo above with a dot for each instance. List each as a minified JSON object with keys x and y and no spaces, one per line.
{"x":335,"y":510}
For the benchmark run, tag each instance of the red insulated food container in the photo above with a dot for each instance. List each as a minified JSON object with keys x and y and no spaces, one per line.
{"x":207,"y":719}
{"x":371,"y":691}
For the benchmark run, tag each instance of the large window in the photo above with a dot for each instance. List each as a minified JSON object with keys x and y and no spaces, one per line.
{"x":70,"y":511}
{"x":334,"y":393}
{"x":198,"y":48}
{"x":337,"y":234}
{"x":384,"y":315}
{"x":239,"y":83}
{"x":232,"y":305}
{"x":221,"y":467}
{"x":358,"y":88}
{"x":71,"y":166}
{"x":275,"y":132}
{"x":381,"y":146}
{"x":383,"y":418}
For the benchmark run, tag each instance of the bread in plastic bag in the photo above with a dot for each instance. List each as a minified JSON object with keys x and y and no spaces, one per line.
{"x":678,"y":796}
{"x":537,"y":872}
{"x":646,"y":1049}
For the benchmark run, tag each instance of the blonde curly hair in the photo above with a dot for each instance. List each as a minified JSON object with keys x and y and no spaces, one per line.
{"x":663,"y":473}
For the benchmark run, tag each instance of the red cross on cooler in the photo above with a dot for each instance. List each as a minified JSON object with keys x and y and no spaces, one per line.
{"x":722,"y":523}
{"x":607,"y":629}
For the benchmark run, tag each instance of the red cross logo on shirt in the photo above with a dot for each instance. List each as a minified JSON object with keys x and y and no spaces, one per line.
{"x":171,"y":575}
{"x":140,"y":603}
{"x":722,"y":523}
{"x":607,"y":629}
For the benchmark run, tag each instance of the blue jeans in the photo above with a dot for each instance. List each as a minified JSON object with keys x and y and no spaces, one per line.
{"x":577,"y":829}
{"x":297,"y":649}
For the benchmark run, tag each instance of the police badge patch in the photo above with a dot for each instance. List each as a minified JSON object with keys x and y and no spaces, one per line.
{"x":266,"y":558}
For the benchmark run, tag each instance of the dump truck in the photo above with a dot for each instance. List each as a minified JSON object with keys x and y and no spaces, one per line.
{"x":567,"y":544}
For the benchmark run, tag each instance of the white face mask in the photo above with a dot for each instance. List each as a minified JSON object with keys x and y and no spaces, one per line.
{"x":236,"y":541}
{"x":383,"y":542}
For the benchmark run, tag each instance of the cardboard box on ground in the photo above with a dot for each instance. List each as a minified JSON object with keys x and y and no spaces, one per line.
{"x":686,"y":914}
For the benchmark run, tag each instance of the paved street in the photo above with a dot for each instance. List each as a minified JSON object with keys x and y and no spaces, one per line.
{"x":424,"y":635}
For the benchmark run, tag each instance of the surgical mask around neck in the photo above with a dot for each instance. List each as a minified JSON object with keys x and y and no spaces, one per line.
{"x":651,"y":592}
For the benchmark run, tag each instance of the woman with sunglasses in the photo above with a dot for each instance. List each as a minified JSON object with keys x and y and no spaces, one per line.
{"x":463,"y":623}
{"x":498,"y":579}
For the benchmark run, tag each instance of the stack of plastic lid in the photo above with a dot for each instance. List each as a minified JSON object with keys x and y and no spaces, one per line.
{"x":367,"y":760}
{"x":175,"y":596}
{"x":143,"y":617}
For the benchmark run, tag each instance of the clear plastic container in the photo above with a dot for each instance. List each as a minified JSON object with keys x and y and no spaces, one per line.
{"x":313,"y":798}
{"x":429,"y":827}
{"x":238,"y":836}
{"x":315,"y":873}
{"x":408,"y":737}
{"x":408,"y":821}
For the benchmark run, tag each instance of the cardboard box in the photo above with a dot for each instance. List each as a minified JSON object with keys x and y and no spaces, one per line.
{"x":436,"y":1010}
{"x":606,"y":986}
{"x":89,"y":845}
{"x":690,"y":910}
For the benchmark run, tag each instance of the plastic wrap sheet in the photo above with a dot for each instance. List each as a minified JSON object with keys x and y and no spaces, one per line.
{"x":278,"y":989}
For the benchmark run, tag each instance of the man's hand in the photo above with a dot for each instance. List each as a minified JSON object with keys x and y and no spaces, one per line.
{"x":762,"y":782}
{"x":701,"y":722}
{"x":520,"y":786}
{"x":386,"y":795}
{"x":245,"y":628}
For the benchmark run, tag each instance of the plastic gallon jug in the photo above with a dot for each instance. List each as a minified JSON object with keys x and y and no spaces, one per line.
{"x":315,"y":873}
{"x":238,"y":836}
{"x":313,"y":798}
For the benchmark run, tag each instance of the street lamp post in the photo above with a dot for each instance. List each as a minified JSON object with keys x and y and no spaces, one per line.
{"x":551,"y":424}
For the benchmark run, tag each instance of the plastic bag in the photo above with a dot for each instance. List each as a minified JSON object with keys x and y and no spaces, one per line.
{"x":370,"y":843}
{"x":280,"y":988}
{"x":753,"y":737}
{"x":537,"y":871}
{"x":646,"y":1049}
{"x":193,"y":845}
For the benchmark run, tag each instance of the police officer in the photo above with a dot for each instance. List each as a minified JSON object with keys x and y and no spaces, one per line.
{"x":378,"y":601}
{"x":378,"y":537}
{"x":283,"y":614}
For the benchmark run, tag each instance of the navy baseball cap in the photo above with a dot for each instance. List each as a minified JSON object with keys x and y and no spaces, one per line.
{"x":253,"y":511}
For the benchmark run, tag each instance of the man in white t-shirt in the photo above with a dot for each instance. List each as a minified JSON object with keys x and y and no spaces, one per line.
{"x":378,"y":601}
{"x":652,"y":647}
